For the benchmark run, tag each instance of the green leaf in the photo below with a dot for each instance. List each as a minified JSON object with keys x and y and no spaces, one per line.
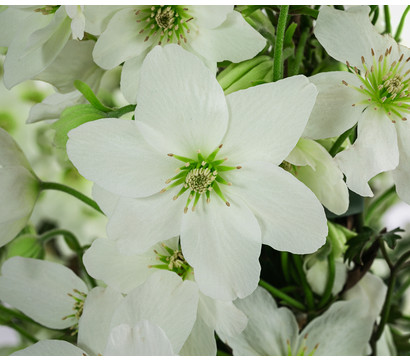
{"x":356,"y":246}
{"x":73,"y":117}
{"x":90,"y":96}
{"x":287,"y":41}
{"x":390,"y":237}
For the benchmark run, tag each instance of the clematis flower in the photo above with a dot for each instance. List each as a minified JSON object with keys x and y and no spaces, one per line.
{"x":124,"y":272}
{"x":19,"y":188}
{"x":342,"y":330}
{"x":375,"y":94}
{"x":237,"y":195}
{"x":214,"y":33}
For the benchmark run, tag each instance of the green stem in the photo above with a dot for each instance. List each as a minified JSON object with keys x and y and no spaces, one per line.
{"x":280,"y":35}
{"x":284,"y":262}
{"x":376,"y":203}
{"x":279,"y":294}
{"x":401,"y":261}
{"x":401,"y":24}
{"x":16,"y":314}
{"x":64,"y":188}
{"x":299,"y":52}
{"x":402,"y":289}
{"x":73,"y":244}
{"x":330,"y":281}
{"x":22,"y":332}
{"x":384,"y":253}
{"x":306,"y":288}
{"x":121,"y":111}
{"x":387,"y":19}
{"x":340,"y":140}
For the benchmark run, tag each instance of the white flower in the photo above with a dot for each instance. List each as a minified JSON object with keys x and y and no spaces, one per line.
{"x":19,"y":188}
{"x":124,"y":272}
{"x":342,"y":330}
{"x":214,"y":33}
{"x":181,"y":109}
{"x":320,"y":173}
{"x":376,"y":96}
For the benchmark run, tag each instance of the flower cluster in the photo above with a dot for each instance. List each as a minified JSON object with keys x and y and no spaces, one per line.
{"x":228,"y":150}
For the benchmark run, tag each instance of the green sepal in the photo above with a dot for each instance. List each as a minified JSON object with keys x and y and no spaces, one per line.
{"x":358,"y":245}
{"x":25,"y":245}
{"x":73,"y":117}
{"x":391,"y":237}
{"x":90,"y":96}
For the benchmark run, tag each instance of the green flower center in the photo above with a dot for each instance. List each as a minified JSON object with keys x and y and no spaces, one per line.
{"x":302,"y":349}
{"x":173,"y":260}
{"x":164,"y":23}
{"x":385,"y":84}
{"x":200,"y":176}
{"x":48,"y":9}
{"x":79,"y":298}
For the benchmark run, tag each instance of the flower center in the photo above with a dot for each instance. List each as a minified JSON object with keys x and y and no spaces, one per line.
{"x":302,"y":348}
{"x":200,"y":176}
{"x":385,"y":84}
{"x":48,"y":9}
{"x":173,"y":260}
{"x":79,"y":298}
{"x":164,"y":23}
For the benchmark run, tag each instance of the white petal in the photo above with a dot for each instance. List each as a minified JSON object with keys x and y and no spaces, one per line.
{"x":181,"y":107}
{"x":51,"y":348}
{"x":112,"y":153}
{"x":333,"y":112}
{"x":165,"y":300}
{"x":348,"y":35}
{"x":223,"y":316}
{"x":265,"y":123}
{"x":374,"y":151}
{"x":123,"y":272}
{"x":10,"y":153}
{"x":75,"y":58}
{"x":106,"y":200}
{"x":52,"y":106}
{"x":223,"y":245}
{"x":29,"y":55}
{"x":120,"y":41}
{"x":39,"y":289}
{"x":94,"y":325}
{"x":341,"y":330}
{"x":372,"y":291}
{"x":323,"y":176}
{"x":208,"y":16}
{"x":97,"y":17}
{"x":11,"y":20}
{"x":269,"y":327}
{"x":144,"y":339}
{"x":289,"y":214}
{"x":201,"y":340}
{"x":130,"y":76}
{"x":234,"y":40}
{"x":132,"y":224}
{"x":401,"y":174}
{"x":18,"y":194}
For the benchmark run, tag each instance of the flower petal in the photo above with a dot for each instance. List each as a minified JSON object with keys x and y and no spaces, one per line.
{"x":265,"y":123}
{"x":222,"y":244}
{"x":98,"y":17}
{"x":374,"y":151}
{"x":94,"y":325}
{"x":144,"y":339}
{"x":289,"y":214}
{"x":132,"y":223}
{"x":201,"y":340}
{"x":269,"y":327}
{"x":165,"y":300}
{"x":112,"y":153}
{"x":181,"y":107}
{"x":210,"y":16}
{"x":349,"y":35}
{"x":401,"y":174}
{"x":324,"y":178}
{"x":234,"y":40}
{"x":106,"y":200}
{"x":341,"y":330}
{"x":10,"y":153}
{"x":123,"y":272}
{"x":120,"y":41}
{"x":51,"y":348}
{"x":333,"y":112}
{"x":39,"y":289}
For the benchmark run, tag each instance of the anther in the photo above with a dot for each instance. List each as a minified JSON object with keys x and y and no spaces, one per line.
{"x":390,"y":49}
{"x":345,"y":83}
{"x":146,"y":39}
{"x":239,"y":167}
{"x":363,"y":61}
{"x":229,"y":184}
{"x":163,"y":190}
{"x":404,"y":118}
{"x":175,"y":197}
{"x":401,"y":57}
{"x":228,"y":204}
{"x":185,"y":210}
{"x":168,"y":181}
{"x":372,"y":51}
{"x":141,"y":31}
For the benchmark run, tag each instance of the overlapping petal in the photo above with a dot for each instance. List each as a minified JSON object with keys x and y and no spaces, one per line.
{"x":401,"y":174}
{"x":51,"y":348}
